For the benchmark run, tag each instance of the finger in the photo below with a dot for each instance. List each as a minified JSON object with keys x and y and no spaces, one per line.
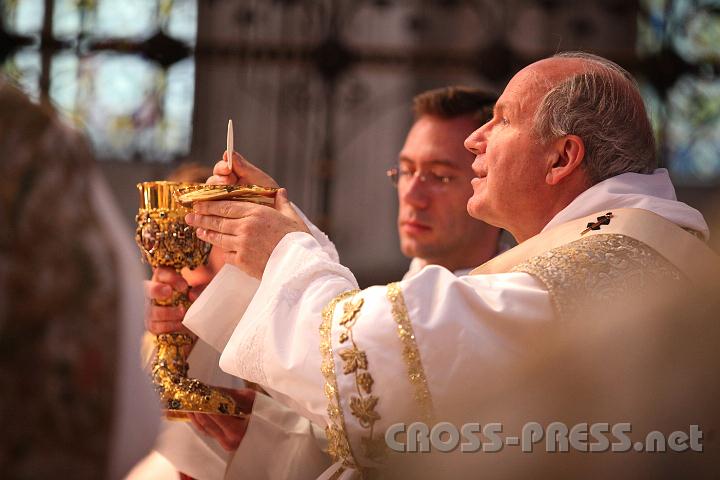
{"x":226,"y":208}
{"x":283,"y":205}
{"x":222,"y":174}
{"x":170,"y":277}
{"x":211,"y":222}
{"x":221,"y":168}
{"x":157,"y":328}
{"x":220,"y":180}
{"x":211,"y":428}
{"x":157,"y":290}
{"x":245,"y":397}
{"x":238,"y":162}
{"x":222,"y":240}
{"x":194,"y":293}
{"x":193,"y":417}
{"x":155,"y":323}
{"x":233,"y":428}
{"x":166,"y":314}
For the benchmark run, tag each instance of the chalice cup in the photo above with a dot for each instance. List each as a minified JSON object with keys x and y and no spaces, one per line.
{"x":165,"y":240}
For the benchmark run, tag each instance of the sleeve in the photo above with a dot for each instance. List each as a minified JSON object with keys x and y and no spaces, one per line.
{"x":279,"y":444}
{"x":383,"y":355}
{"x":218,"y":310}
{"x":276,"y":344}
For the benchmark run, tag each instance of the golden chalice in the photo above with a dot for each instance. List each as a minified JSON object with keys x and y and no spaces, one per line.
{"x":167,"y":241}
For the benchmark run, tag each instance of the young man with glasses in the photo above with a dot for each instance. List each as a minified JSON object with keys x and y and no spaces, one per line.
{"x":433,"y":181}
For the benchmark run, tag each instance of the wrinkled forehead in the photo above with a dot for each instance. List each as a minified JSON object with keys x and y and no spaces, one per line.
{"x":529,"y":85}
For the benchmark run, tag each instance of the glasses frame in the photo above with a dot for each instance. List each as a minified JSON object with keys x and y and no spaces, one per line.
{"x":428,"y":178}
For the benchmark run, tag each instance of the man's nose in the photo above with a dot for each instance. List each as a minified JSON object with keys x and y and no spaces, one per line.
{"x":415,"y":192}
{"x":476,"y":141}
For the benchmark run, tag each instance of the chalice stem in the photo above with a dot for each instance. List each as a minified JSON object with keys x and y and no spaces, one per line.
{"x":179,"y":393}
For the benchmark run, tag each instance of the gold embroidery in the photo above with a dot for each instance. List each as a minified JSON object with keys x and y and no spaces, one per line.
{"x":338,"y":445}
{"x":365,"y":381}
{"x":596,"y":270}
{"x":362,"y":405}
{"x":411,"y":354}
{"x":364,"y":409}
{"x":350,"y":311}
{"x":353,"y":359}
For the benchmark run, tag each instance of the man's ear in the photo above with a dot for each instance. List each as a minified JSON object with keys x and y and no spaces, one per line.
{"x":567,"y":155}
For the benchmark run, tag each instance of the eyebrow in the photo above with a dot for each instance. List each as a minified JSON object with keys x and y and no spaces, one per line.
{"x":500,"y":107}
{"x":434,"y":163}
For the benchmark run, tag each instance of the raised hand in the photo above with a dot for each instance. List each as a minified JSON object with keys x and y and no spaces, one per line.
{"x":246,"y":232}
{"x":243,"y":172}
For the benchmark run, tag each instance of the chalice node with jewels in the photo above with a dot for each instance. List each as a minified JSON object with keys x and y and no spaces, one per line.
{"x":165,"y":240}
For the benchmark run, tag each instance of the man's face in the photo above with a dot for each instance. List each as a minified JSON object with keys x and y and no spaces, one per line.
{"x":510,"y":164}
{"x":433,"y":223}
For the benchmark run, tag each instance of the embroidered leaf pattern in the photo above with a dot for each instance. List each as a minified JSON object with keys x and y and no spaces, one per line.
{"x":353,"y":359}
{"x":364,"y":409}
{"x":350,"y":310}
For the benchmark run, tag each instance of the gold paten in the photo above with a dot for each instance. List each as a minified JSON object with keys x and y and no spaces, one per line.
{"x":167,"y":241}
{"x":188,"y":194}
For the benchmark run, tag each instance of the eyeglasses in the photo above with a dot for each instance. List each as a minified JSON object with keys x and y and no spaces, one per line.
{"x":401,"y":177}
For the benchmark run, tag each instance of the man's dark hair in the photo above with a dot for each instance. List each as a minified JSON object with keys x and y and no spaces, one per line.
{"x":456,"y":101}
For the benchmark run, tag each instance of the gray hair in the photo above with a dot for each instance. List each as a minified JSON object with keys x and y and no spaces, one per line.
{"x":604,"y":108}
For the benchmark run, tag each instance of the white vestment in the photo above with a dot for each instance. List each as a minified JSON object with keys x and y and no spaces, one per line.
{"x":449,"y":329}
{"x":278,"y":444}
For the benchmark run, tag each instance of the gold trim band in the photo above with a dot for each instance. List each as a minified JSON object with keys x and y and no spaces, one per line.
{"x":339,"y":447}
{"x":411,"y":354}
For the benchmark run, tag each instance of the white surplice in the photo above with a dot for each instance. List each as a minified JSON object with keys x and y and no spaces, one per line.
{"x":278,"y":444}
{"x":463,"y":327}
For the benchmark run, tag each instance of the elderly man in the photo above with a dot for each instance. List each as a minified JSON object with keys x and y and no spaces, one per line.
{"x":433,"y":182}
{"x":567,"y":165}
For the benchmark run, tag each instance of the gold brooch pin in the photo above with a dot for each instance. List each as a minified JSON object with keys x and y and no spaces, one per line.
{"x":602,"y":220}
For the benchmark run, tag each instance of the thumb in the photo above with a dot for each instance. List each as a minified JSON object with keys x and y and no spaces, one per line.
{"x":283,"y":205}
{"x":238,"y":162}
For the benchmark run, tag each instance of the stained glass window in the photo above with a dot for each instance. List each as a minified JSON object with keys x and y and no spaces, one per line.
{"x":680,"y":39}
{"x":123,"y":70}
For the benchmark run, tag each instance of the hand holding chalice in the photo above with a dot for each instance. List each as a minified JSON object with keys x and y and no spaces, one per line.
{"x":167,"y":241}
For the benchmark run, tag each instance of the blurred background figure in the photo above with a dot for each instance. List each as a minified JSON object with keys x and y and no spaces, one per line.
{"x":75,"y":402}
